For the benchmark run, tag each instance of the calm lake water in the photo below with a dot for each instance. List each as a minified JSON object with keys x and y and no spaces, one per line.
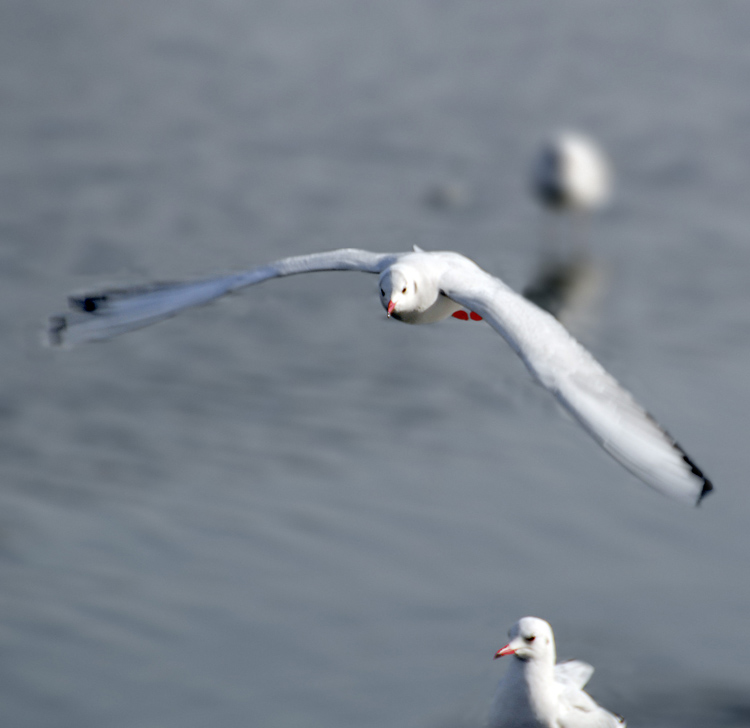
{"x":285,"y":510}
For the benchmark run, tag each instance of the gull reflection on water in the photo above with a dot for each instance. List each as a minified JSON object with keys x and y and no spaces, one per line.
{"x":568,"y":288}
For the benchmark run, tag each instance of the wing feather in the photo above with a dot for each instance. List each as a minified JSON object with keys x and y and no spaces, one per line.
{"x":108,"y":313}
{"x":593,"y":397}
{"x":573,"y":673}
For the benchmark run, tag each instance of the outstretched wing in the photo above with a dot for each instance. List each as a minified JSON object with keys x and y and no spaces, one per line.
{"x":592,"y":396}
{"x":108,"y":313}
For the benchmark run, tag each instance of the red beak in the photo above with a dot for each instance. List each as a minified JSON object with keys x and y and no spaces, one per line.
{"x":391,"y":306}
{"x":507,"y":650}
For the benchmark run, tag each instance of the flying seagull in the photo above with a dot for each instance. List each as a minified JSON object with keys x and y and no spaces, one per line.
{"x":537,"y":693}
{"x":423,"y":287}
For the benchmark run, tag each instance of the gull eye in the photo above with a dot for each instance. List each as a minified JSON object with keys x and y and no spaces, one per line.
{"x":403,"y":290}
{"x":530,"y":639}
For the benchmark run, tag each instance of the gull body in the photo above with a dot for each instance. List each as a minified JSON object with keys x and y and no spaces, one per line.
{"x":572,"y":173}
{"x":537,"y":693}
{"x":424,"y":287}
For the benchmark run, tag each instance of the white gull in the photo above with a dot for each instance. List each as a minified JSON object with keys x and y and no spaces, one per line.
{"x":536,"y":693}
{"x":572,"y":173}
{"x":424,"y":287}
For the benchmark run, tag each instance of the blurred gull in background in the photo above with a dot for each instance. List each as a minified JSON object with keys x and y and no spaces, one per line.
{"x":572,"y":173}
{"x":571,"y":178}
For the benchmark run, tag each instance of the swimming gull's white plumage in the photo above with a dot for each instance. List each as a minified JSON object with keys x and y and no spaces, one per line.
{"x":537,"y":693}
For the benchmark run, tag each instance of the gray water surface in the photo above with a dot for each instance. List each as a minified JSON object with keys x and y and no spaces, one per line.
{"x":285,"y":510}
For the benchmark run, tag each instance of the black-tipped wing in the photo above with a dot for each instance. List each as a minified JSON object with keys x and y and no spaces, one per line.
{"x":108,"y":313}
{"x":593,"y":397}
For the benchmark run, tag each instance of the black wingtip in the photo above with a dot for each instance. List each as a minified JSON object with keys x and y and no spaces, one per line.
{"x":89,"y":304}
{"x":695,"y":470}
{"x":707,"y":488}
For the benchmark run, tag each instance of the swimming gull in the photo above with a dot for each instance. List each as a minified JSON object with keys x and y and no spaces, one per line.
{"x":537,"y":693}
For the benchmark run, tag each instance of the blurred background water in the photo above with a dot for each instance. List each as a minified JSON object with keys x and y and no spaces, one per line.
{"x":285,"y":510}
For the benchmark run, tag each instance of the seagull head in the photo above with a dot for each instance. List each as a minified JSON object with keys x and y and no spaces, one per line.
{"x":402,"y":292}
{"x":530,"y":639}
